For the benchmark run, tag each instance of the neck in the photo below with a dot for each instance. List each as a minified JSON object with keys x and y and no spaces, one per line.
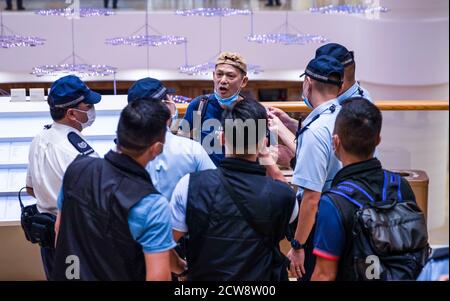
{"x":140,"y":159}
{"x":347,"y":85}
{"x":348,"y":159}
{"x":71,"y":123}
{"x":251,"y":158}
{"x":318,"y":98}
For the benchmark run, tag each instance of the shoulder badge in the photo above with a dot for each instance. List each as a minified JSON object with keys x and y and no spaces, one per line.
{"x":80,"y":145}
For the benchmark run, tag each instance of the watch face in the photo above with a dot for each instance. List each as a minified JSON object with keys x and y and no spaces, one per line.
{"x":295,"y":244}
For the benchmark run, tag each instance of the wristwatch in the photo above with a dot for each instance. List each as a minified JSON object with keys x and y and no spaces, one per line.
{"x":296,"y":245}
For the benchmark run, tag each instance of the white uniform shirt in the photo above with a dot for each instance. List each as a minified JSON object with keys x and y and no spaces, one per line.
{"x":180,"y":156}
{"x":49,"y":156}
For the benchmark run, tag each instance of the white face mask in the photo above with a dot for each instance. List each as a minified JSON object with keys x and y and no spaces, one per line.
{"x":90,"y":115}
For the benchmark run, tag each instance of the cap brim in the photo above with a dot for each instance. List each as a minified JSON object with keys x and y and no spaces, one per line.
{"x":171,"y":90}
{"x":303,"y":74}
{"x":92,"y":97}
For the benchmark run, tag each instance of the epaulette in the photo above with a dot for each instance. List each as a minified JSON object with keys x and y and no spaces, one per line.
{"x":80,"y":145}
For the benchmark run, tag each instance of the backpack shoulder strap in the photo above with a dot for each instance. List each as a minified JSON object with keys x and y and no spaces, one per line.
{"x":203,"y":105}
{"x":347,"y":195}
{"x":392,"y":187}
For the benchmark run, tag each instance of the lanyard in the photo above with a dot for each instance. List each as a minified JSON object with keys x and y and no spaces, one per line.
{"x":301,"y":130}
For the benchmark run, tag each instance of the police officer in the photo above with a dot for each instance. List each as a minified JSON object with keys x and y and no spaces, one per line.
{"x":181,"y":155}
{"x":235,"y":215}
{"x":204,"y":113}
{"x":350,"y":87}
{"x":52,"y":150}
{"x":316,"y":162}
{"x":111,"y":217}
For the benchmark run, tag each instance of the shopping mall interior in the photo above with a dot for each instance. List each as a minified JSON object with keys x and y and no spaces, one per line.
{"x":401,"y":49}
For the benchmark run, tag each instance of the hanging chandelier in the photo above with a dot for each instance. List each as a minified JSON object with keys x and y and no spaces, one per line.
{"x":70,"y":64}
{"x":72,"y":12}
{"x":150,"y":37}
{"x":212,"y":12}
{"x":286,"y":34}
{"x":9,"y":39}
{"x":348,"y":9}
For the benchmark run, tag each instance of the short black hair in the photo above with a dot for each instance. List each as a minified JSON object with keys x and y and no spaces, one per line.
{"x":59,"y":113}
{"x":249,"y":120}
{"x":141,"y":124}
{"x":358,"y":126}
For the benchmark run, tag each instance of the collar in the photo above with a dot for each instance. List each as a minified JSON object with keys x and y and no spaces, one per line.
{"x":242,"y":165}
{"x":66,"y":128}
{"x":349,"y":93}
{"x":127,"y":164}
{"x":320,"y":109}
{"x":356,"y":168}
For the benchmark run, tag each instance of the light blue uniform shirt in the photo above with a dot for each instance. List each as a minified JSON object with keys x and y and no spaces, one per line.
{"x":354,"y":91}
{"x":180,"y":156}
{"x":316,"y":162}
{"x":149,"y":222}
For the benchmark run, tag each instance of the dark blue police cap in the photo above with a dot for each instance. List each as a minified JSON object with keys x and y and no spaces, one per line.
{"x":337,"y":51}
{"x":68,"y":91}
{"x":323,"y":68}
{"x":148,"y":88}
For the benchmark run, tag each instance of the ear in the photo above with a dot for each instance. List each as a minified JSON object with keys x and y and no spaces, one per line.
{"x":154,"y":150}
{"x":70,"y":114}
{"x":244,"y":81}
{"x":378,"y":140}
{"x":336,"y":142}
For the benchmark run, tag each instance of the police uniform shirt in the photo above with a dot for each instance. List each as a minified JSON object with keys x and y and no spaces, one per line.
{"x":316,"y":162}
{"x":50,"y":154}
{"x":180,"y":156}
{"x":354,"y":91}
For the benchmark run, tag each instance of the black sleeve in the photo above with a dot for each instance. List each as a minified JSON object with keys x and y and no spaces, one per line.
{"x":407,"y":192}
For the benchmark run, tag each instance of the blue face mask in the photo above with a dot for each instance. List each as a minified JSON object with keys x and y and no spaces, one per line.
{"x":306,"y":100}
{"x":229,"y":101}
{"x":308,"y":104}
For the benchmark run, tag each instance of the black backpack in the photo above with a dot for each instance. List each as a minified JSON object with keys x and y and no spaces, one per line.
{"x":387,"y":239}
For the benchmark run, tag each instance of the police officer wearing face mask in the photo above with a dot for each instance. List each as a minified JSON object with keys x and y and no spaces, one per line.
{"x":56,"y":146}
{"x":203,"y":115}
{"x":181,"y":155}
{"x":316,"y":162}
